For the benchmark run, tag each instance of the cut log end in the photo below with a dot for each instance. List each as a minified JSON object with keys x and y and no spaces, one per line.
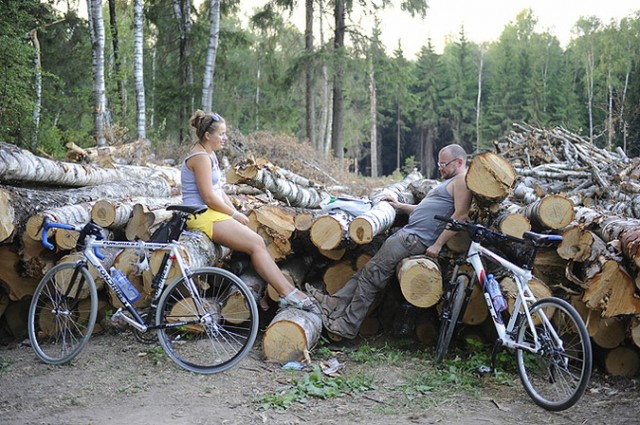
{"x":291,"y":333}
{"x":420,"y":281}
{"x":490,"y":177}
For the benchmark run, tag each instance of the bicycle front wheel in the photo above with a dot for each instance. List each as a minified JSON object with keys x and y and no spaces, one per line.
{"x":557,"y":376}
{"x":62,"y":313}
{"x":449,"y":317}
{"x":209,"y":322}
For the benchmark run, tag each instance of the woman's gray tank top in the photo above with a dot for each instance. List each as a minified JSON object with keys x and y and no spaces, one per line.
{"x":190,"y":192}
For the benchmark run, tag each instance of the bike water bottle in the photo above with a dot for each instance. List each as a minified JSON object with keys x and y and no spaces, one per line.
{"x":495,"y":293}
{"x":130,"y":292}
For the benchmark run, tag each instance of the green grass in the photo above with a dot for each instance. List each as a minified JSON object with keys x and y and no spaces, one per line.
{"x":417,"y":380}
{"x":314,"y":385}
{"x":156,"y":354}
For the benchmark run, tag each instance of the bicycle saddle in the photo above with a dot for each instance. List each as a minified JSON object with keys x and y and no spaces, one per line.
{"x":190,"y":209}
{"x":541,"y":240}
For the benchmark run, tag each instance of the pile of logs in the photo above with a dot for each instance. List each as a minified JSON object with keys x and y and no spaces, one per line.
{"x":541,"y":180}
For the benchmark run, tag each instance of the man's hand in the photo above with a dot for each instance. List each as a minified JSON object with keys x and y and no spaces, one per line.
{"x":392,"y":201}
{"x":433,"y":251}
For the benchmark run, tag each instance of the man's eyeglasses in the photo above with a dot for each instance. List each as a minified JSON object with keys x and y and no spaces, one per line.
{"x":444,"y":164}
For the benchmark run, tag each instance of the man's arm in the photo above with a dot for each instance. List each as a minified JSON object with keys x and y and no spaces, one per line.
{"x":462,"y":203}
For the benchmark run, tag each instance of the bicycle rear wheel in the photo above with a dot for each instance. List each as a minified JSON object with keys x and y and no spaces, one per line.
{"x":209,"y":324}
{"x":557,"y":376}
{"x":62,"y":313}
{"x":449,"y":317}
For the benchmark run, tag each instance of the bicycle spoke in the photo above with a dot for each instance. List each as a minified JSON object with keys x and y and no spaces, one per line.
{"x":218,"y":320}
{"x":60,"y":325}
{"x":556,"y":376}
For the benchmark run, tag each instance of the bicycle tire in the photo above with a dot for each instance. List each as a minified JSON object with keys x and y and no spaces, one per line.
{"x":556,"y":379}
{"x":451,"y":308}
{"x":228,"y":321}
{"x":62,"y":314}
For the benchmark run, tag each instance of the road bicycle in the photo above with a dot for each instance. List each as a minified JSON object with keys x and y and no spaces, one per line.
{"x":205,"y":319}
{"x":551,"y":343}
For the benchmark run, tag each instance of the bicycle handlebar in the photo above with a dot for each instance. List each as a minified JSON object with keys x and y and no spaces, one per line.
{"x":478,"y":232}
{"x":86,"y":230}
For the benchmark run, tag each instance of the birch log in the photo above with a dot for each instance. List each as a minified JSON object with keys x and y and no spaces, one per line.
{"x":114,"y":214}
{"x":74,"y":215}
{"x":19,"y":204}
{"x":291,"y":334}
{"x":381,"y":216}
{"x":19,"y":164}
{"x":17,"y":286}
{"x":197,"y":251}
{"x":276,"y":228}
{"x":283,"y":187}
{"x":336,"y":275}
{"x":420,"y":281}
{"x":622,"y":361}
{"x":329,"y":232}
{"x":551,"y":212}
{"x":609,"y":287}
{"x":143,"y":222}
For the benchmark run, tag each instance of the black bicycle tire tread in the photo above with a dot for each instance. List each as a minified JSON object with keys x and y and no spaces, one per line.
{"x":254,"y":325}
{"x":34,"y":305}
{"x":588,"y":359}
{"x":447,"y":326}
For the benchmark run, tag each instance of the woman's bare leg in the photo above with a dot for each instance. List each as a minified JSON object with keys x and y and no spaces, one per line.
{"x":240,"y":238}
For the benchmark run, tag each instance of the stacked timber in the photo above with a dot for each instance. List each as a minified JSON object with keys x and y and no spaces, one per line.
{"x":548,"y":181}
{"x":596,"y":266}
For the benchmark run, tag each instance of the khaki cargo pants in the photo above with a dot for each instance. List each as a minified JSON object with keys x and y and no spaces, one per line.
{"x":352,"y":302}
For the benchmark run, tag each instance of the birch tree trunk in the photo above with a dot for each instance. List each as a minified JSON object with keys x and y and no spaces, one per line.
{"x":309,"y":76}
{"x":96,"y":29}
{"x":210,"y":61}
{"x":373,"y":108}
{"x":138,"y":69}
{"x":33,"y":36}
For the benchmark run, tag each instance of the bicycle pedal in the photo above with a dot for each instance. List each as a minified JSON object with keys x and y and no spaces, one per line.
{"x":484,"y":371}
{"x":118,"y":320}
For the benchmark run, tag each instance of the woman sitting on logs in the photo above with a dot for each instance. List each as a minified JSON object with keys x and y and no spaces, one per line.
{"x":222,"y":223}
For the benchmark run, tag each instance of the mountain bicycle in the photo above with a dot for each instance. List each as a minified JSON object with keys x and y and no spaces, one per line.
{"x":551,"y":343}
{"x":205,"y":319}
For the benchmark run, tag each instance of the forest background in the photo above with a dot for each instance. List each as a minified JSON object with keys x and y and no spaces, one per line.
{"x":138,"y":69}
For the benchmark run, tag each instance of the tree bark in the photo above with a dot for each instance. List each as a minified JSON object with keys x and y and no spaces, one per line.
{"x":212,"y":50}
{"x":138,"y":69}
{"x":96,"y":29}
{"x":291,"y":334}
{"x":381,"y":216}
{"x":20,"y":165}
{"x":330,"y":231}
{"x":284,"y":186}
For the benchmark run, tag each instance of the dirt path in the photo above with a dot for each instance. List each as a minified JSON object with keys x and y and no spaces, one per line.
{"x":117,"y":380}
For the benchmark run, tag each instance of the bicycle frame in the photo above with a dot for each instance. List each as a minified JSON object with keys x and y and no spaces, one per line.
{"x":524,"y":298}
{"x":173,"y":255}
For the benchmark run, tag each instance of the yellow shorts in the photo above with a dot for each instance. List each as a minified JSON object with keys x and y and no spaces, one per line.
{"x":204,"y":221}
